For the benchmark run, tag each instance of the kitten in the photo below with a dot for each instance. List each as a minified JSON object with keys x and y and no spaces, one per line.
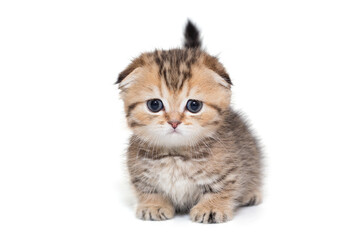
{"x":189,"y":150}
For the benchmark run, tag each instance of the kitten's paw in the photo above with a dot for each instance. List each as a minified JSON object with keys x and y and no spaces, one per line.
{"x":255,"y":198}
{"x":154,"y":213}
{"x":208,"y":214}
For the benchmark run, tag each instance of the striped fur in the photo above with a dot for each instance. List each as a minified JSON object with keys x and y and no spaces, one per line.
{"x":211,"y":163}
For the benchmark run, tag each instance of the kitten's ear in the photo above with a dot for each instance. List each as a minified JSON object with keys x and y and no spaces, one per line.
{"x":125,"y":77}
{"x":214,"y":64}
{"x":192,"y":36}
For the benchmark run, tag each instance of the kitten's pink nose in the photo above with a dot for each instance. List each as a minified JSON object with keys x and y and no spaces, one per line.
{"x":174,"y":124}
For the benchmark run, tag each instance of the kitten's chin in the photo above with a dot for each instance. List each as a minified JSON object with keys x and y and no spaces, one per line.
{"x":175,"y":139}
{"x":170,"y":138}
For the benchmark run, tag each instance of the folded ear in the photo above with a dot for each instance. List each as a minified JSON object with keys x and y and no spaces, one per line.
{"x":214,"y":64}
{"x":129,"y":74}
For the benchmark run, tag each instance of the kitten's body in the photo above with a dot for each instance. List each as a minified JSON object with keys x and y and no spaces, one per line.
{"x":209,"y":164}
{"x":229,"y":160}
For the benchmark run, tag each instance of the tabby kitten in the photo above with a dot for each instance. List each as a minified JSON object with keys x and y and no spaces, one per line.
{"x":189,"y":150}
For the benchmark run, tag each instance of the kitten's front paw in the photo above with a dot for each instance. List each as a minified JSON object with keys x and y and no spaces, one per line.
{"x":209,"y":214}
{"x":154,"y":213}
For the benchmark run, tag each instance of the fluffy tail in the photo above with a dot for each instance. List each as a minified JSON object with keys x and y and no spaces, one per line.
{"x":192,"y":36}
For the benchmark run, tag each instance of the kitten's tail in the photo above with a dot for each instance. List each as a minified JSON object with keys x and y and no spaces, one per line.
{"x":192,"y":36}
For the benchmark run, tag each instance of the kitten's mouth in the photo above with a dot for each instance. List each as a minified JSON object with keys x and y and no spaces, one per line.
{"x":174,"y":132}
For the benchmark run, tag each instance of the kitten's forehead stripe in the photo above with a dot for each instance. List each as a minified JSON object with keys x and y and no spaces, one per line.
{"x":175,"y":66}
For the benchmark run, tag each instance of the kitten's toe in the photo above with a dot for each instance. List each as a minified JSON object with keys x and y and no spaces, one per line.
{"x":154,"y":213}
{"x":165,"y":213}
{"x":205,"y":214}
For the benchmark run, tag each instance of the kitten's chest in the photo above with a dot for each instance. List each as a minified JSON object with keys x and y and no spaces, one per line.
{"x":174,"y":178}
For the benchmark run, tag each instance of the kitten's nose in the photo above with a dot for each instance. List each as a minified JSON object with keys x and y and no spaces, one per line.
{"x":174,"y":124}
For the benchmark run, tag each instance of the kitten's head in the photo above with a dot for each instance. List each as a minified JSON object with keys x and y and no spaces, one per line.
{"x":175,"y":97}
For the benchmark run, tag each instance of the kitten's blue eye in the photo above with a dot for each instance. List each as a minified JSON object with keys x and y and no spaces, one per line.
{"x":155,"y":105}
{"x":194,"y":106}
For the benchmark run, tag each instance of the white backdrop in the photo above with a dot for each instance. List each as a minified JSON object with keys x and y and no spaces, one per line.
{"x":295,"y":66}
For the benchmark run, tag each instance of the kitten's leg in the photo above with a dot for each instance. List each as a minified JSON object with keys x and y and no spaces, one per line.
{"x":214,"y":208}
{"x":153,"y":206}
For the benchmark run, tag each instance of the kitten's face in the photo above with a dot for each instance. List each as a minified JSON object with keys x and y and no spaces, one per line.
{"x":173,"y":100}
